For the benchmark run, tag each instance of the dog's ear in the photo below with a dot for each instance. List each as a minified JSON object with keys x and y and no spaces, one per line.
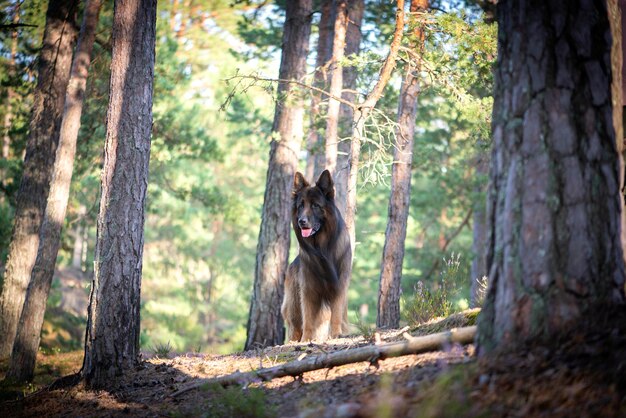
{"x":325,"y":184}
{"x":299,"y":183}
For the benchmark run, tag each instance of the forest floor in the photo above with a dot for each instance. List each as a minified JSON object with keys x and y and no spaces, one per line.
{"x":586,"y":378}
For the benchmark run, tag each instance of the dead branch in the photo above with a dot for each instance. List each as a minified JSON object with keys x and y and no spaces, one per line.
{"x":257,"y":78}
{"x":390,"y":61}
{"x":371,"y":353}
{"x":7,"y":26}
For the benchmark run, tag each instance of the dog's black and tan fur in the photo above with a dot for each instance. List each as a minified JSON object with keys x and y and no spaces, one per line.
{"x":316,"y":283}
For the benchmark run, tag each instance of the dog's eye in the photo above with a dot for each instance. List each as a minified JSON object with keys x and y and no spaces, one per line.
{"x":315,"y":206}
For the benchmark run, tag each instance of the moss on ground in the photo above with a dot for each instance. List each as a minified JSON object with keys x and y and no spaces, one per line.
{"x":462,"y":319}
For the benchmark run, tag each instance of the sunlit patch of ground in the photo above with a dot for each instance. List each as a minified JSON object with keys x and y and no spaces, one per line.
{"x":579,"y":380}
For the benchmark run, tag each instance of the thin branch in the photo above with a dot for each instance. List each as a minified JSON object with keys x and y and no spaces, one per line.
{"x":390,"y":61}
{"x":8,"y":26}
{"x":296,"y":82}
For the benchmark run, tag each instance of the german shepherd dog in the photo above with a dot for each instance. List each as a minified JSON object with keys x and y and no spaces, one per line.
{"x":316,"y":283}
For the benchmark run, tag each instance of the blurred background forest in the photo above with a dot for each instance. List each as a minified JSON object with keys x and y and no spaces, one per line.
{"x":209,"y":157}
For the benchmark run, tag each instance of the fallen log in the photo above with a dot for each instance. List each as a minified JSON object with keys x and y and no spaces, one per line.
{"x":372,"y":353}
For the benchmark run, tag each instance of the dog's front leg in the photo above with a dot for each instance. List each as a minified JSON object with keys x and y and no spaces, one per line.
{"x":315,"y":319}
{"x":338,"y":315}
{"x":291,"y":309}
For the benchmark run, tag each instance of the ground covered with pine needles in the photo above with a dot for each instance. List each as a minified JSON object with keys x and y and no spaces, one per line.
{"x":585,"y":377}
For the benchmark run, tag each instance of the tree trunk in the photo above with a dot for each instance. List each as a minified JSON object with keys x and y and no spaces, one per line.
{"x":112,"y":340}
{"x":393,"y":251}
{"x":616,"y":7}
{"x":554,"y":251}
{"x":22,"y":364}
{"x":315,"y":158}
{"x":360,"y":116}
{"x":356,"y":8}
{"x":265,"y":324}
{"x":336,"y":86}
{"x":55,"y":60}
{"x":80,"y":240}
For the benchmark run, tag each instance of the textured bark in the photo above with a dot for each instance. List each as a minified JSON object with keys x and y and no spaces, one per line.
{"x":22,"y":364}
{"x":55,"y":60}
{"x":371,"y":353}
{"x":356,"y":8}
{"x":112,"y":340}
{"x":554,"y":210}
{"x":398,"y":213}
{"x":617,"y":85}
{"x":315,"y":157}
{"x":265,"y":324}
{"x":331,"y":137}
{"x":362,"y":113}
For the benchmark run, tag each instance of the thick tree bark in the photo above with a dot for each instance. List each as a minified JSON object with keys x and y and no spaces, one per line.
{"x":360,"y":117}
{"x":554,"y":211}
{"x":265,"y":324}
{"x":331,"y":137}
{"x":393,"y":251}
{"x":55,"y":60}
{"x":314,"y":145}
{"x":616,"y":10}
{"x":356,"y":8}
{"x":22,"y":364}
{"x":112,"y":340}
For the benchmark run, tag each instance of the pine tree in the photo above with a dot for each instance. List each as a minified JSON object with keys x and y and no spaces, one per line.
{"x":398,"y":212}
{"x":265,"y":324}
{"x":112,"y":339}
{"x":555,"y":257}
{"x":55,"y":60}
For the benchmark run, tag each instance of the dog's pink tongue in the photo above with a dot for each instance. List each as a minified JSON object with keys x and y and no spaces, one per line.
{"x":306,"y":232}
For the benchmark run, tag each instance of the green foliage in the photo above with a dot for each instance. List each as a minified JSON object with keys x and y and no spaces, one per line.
{"x":427,"y":304}
{"x":365,"y":329}
{"x":6,"y":220}
{"x":208,"y":163}
{"x":161,"y":350}
{"x":260,"y":26}
{"x":438,"y":300}
{"x":464,"y":318}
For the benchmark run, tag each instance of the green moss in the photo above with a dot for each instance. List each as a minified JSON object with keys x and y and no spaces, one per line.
{"x":462,"y":319}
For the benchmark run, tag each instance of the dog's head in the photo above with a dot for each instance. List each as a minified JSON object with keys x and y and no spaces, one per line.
{"x":312,"y":204}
